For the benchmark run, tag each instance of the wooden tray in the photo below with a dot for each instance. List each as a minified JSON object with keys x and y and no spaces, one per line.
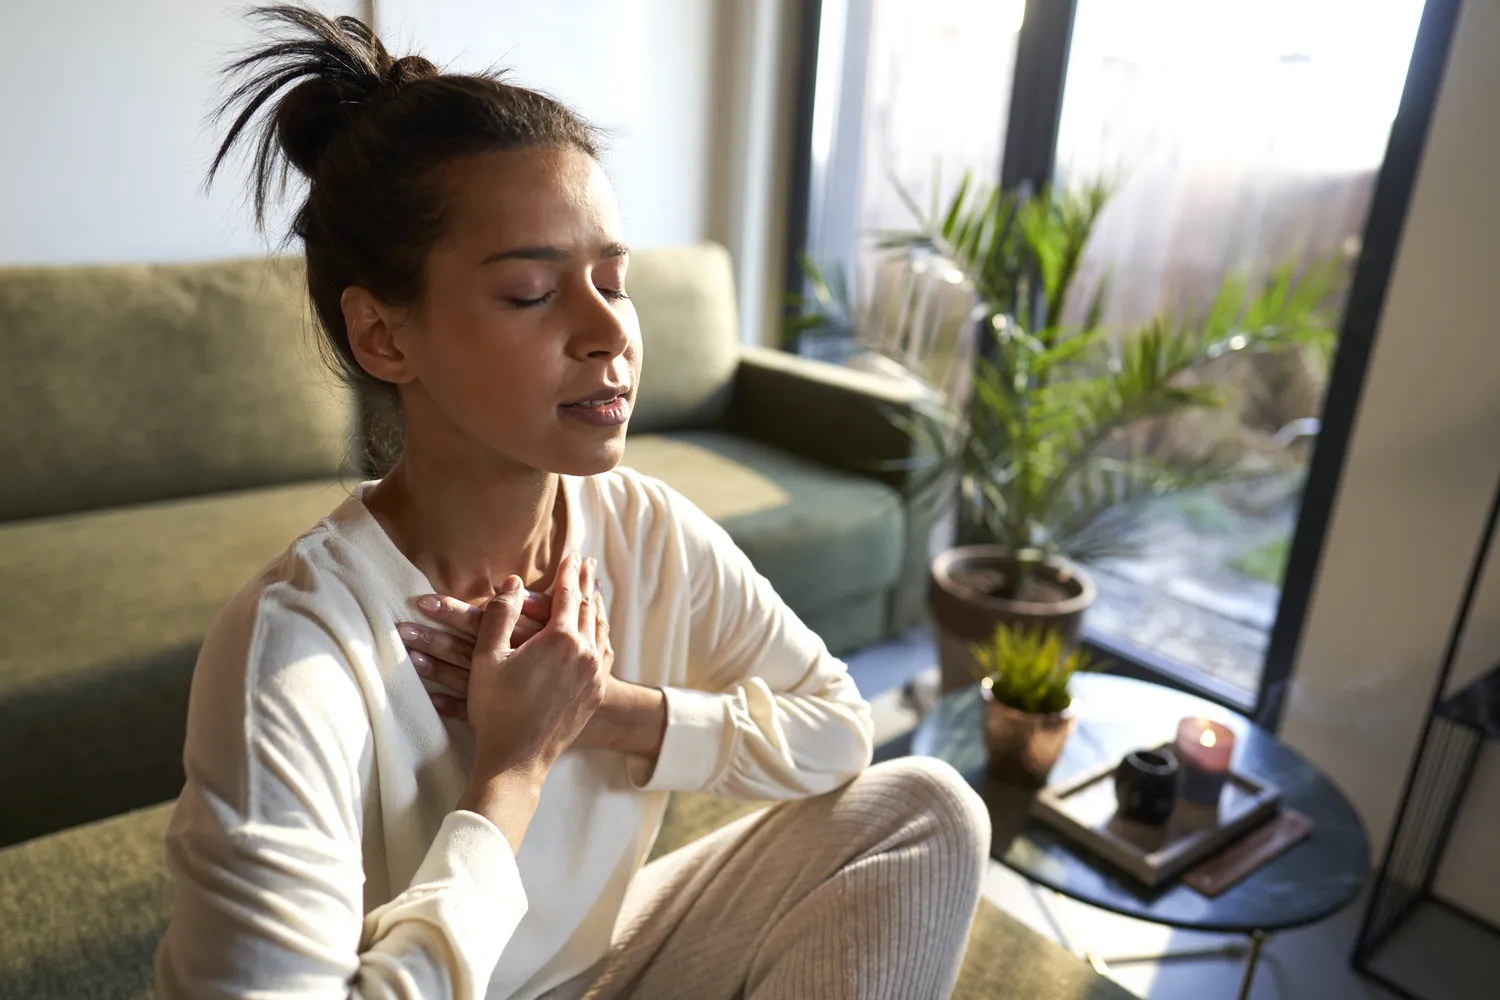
{"x":1083,"y":808}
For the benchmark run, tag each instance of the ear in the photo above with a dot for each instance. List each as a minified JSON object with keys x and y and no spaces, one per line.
{"x":375,"y":335}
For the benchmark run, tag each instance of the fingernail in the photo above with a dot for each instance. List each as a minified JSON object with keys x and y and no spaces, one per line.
{"x":429,"y":603}
{"x":407,"y":632}
{"x":421,"y":664}
{"x":511,"y":585}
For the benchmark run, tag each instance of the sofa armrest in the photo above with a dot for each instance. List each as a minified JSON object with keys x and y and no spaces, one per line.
{"x":841,"y":417}
{"x":827,"y":413}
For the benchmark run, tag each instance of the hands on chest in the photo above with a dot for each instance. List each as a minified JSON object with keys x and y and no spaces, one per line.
{"x":532,"y":674}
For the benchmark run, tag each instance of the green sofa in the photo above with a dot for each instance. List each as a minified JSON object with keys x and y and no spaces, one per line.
{"x":169,"y":429}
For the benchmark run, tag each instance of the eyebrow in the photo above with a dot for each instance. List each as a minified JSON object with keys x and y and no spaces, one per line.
{"x":552,"y":253}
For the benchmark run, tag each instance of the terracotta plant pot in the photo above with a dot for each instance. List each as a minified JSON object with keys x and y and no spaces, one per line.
{"x":964,"y":613}
{"x":1023,"y":746}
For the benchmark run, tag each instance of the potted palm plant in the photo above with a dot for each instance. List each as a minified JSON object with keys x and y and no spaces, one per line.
{"x":1023,"y":676}
{"x":1038,"y":451}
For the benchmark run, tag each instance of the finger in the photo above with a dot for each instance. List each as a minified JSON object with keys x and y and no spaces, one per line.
{"x":445,"y":674}
{"x":453,"y":708}
{"x":588,"y":606}
{"x":601,"y":625}
{"x":458,"y":615}
{"x":565,"y":596}
{"x":500,"y":617}
{"x":538,"y":606}
{"x":438,"y":645}
{"x":525,"y":629}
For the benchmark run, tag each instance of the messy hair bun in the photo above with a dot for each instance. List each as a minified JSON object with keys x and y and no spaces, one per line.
{"x":342,"y":67}
{"x":371,"y":134}
{"x":319,"y":106}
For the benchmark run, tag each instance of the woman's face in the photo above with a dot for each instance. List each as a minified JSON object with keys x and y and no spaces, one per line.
{"x":527,"y":343}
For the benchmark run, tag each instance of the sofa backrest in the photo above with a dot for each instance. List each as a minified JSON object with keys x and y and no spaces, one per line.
{"x":129,"y":384}
{"x":690,"y":333}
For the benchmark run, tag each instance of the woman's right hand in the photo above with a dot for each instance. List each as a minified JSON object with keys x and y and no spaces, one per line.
{"x":527,"y":703}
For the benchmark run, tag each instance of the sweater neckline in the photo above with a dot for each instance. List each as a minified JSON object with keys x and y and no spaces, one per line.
{"x":371,"y":534}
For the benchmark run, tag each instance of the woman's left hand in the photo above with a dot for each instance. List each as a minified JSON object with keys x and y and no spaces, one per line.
{"x":445,"y":658}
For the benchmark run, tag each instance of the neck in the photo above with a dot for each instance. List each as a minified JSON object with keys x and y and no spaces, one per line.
{"x":467,"y":525}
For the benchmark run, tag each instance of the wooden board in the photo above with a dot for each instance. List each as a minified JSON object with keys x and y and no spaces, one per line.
{"x":1084,"y":810}
{"x":1267,"y":841}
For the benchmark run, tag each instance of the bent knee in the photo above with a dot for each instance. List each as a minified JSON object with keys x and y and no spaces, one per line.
{"x":936,"y":790}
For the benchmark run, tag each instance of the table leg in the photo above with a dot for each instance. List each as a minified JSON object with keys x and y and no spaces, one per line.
{"x":1070,"y":937}
{"x":1234,"y":949}
{"x":1257,"y":939}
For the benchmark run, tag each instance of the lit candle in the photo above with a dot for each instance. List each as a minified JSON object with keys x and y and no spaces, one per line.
{"x":1204,"y":749}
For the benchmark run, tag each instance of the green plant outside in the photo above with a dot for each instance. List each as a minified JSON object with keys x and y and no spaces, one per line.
{"x":1266,"y":561}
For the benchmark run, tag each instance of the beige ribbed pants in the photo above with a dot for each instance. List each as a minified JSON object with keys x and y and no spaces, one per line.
{"x":867,"y":891}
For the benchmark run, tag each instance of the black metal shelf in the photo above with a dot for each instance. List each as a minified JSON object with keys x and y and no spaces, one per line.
{"x":1455,"y":731}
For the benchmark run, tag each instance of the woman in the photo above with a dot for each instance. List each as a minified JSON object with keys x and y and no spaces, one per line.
{"x":470,"y":818}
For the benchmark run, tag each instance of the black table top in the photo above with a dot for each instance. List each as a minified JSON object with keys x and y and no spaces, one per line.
{"x":1308,"y":882}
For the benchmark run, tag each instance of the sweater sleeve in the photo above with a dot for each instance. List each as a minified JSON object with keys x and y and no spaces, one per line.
{"x":767,"y":712}
{"x":265,"y":844}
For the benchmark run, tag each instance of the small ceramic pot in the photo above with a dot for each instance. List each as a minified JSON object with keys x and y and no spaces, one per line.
{"x":1146,"y":786}
{"x":1023,"y":746}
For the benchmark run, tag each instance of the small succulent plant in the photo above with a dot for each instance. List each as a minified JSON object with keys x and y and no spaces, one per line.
{"x":1028,"y":668}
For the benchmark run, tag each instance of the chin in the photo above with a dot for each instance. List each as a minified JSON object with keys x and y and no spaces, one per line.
{"x":591,"y":461}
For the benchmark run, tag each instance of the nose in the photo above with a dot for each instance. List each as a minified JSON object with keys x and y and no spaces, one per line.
{"x":600,"y":328}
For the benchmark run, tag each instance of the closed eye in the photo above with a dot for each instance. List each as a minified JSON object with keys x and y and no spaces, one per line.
{"x":614,"y":294}
{"x":529,"y":303}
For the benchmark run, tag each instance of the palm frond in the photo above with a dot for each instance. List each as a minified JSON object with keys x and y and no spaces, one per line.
{"x":1024,"y":452}
{"x":1100,"y":513}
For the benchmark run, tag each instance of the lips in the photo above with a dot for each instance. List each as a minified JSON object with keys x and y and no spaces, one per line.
{"x":606,"y":407}
{"x":604,"y":394}
{"x":596,"y":400}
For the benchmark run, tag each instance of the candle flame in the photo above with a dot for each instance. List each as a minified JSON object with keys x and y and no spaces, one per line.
{"x":1208,"y":738}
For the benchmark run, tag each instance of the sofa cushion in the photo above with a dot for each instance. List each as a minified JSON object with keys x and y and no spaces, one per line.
{"x":100,"y":629}
{"x":852,"y":624}
{"x":134,"y":383}
{"x":820,"y":536}
{"x":83,"y":910}
{"x":690,"y":336}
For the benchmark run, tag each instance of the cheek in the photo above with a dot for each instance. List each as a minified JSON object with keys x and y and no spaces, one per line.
{"x":491,"y":365}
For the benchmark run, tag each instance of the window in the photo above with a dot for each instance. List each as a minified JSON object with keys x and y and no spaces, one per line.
{"x":907,"y":93}
{"x":1241,"y":133}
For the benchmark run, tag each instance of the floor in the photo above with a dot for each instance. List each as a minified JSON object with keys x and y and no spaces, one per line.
{"x":1308,"y":963}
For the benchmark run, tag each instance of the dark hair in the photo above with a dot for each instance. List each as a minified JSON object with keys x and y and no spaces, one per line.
{"x":371,"y":133}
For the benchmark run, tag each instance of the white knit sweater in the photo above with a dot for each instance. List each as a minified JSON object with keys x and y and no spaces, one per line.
{"x":316,"y":849}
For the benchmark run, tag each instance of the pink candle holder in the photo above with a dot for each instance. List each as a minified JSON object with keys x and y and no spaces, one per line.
{"x":1204,"y":750}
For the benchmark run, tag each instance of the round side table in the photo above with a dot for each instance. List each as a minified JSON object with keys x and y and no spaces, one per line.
{"x":1309,"y":882}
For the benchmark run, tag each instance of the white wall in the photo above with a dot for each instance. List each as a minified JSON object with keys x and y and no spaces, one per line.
{"x":101,"y":121}
{"x":1419,"y":476}
{"x":106,"y":147}
{"x":642,"y":69}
